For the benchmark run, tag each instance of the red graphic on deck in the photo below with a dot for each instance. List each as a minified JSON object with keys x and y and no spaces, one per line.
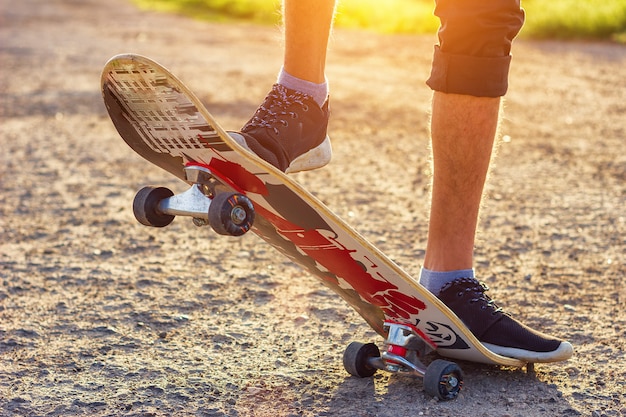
{"x":361,"y":275}
{"x":320,"y":244}
{"x":234,"y":175}
{"x":245,"y":180}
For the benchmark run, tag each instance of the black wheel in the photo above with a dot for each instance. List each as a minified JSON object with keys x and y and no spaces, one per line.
{"x":443,"y":380}
{"x":146,"y":206}
{"x":231,"y":214}
{"x":356,"y":356}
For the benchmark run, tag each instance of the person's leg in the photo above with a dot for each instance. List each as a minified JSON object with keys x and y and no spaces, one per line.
{"x":469,"y":75}
{"x":463,"y":129}
{"x":289,"y":129}
{"x":307,"y":25}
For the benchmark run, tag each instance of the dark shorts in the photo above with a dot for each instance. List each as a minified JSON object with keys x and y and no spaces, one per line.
{"x":474,"y":51}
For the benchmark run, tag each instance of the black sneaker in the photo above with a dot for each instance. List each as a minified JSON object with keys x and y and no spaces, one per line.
{"x":497,"y":330}
{"x":289,"y":131}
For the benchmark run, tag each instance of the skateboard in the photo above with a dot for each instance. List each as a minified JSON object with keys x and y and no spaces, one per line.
{"x":233,"y":191}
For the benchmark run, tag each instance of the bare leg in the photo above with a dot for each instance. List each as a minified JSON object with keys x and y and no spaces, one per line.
{"x":463,"y":130}
{"x":307,"y":28}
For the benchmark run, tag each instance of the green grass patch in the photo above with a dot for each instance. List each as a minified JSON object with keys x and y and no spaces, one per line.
{"x":389,"y":16}
{"x":575,"y":19}
{"x":555,"y":19}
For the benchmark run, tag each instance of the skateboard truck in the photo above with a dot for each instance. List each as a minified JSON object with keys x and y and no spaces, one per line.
{"x":403,"y":349}
{"x":206,"y":201}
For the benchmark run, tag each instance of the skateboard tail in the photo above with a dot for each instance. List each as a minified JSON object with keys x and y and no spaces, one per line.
{"x":131,"y":130}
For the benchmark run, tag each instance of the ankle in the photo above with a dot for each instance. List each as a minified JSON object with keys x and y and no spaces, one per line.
{"x":433,"y":281}
{"x":319,"y":92}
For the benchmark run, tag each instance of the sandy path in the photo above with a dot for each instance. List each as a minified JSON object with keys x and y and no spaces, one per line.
{"x":101,"y":316}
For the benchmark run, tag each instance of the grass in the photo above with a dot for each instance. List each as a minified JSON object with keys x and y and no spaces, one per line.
{"x":556,"y":19}
{"x":382,"y":16}
{"x":576,"y":19}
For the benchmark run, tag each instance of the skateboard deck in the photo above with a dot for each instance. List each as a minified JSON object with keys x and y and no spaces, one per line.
{"x":166,"y":124}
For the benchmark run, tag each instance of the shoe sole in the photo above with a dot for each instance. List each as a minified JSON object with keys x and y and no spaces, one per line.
{"x":308,"y":161}
{"x":564,"y":352}
{"x":313,"y":159}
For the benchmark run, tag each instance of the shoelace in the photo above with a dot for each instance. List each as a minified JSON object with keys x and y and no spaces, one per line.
{"x":479,"y":294}
{"x":478,"y":290}
{"x":277,"y":103}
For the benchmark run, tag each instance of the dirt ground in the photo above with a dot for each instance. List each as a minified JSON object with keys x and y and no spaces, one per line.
{"x":101,"y":316}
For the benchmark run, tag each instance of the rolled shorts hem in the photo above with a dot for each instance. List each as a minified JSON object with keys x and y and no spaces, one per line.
{"x":469,"y":75}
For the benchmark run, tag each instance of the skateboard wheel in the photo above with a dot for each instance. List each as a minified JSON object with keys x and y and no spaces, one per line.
{"x":146,"y":206}
{"x":231,"y":214}
{"x":356,"y":359}
{"x":443,"y":379}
